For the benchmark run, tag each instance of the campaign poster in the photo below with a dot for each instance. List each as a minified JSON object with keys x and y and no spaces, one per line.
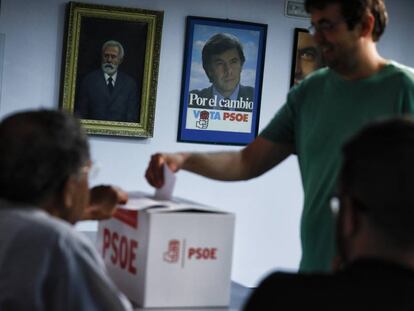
{"x":222,"y":81}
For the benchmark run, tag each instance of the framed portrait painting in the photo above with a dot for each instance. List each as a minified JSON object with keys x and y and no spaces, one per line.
{"x":222,"y":81}
{"x":306,"y":56}
{"x":111,"y":68}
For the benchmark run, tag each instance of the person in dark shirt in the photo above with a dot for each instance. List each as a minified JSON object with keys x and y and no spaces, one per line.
{"x":374,"y":207}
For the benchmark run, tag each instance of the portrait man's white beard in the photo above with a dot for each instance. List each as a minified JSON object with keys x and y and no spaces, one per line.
{"x":109,"y":68}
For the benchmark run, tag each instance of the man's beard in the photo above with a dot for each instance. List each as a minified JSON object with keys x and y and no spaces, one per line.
{"x":109,"y":68}
{"x":343,"y":60}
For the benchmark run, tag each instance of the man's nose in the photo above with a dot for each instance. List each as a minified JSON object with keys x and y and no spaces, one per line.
{"x":109,"y":59}
{"x":227,"y":69}
{"x":319,"y":37}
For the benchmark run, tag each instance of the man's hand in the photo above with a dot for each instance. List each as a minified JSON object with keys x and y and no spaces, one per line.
{"x":103,"y":202}
{"x":155,"y":171}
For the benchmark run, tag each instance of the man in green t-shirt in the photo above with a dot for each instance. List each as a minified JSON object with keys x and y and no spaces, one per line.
{"x":320,"y":114}
{"x":374,"y":231}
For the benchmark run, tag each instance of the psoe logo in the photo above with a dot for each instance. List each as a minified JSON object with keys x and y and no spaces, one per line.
{"x":172,"y":255}
{"x":202,"y":123}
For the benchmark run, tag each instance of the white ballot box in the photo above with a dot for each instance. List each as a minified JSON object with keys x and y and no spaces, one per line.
{"x":169,"y":253}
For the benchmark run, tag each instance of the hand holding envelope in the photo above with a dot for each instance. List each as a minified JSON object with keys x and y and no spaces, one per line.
{"x":155,"y":171}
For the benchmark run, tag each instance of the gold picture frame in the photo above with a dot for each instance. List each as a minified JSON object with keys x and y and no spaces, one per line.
{"x":128,"y":108}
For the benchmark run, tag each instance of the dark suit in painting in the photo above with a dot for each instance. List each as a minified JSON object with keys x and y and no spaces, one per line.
{"x":96,"y":102}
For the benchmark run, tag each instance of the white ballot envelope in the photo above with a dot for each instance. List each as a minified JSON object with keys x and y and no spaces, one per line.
{"x":166,"y":191}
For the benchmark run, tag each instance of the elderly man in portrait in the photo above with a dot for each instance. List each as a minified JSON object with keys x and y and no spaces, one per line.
{"x":223,"y":60}
{"x":107,"y":93}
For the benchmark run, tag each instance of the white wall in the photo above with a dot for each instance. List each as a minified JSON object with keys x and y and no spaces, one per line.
{"x":267,"y":208}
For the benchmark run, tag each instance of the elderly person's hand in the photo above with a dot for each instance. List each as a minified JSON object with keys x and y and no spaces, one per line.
{"x":104,"y":200}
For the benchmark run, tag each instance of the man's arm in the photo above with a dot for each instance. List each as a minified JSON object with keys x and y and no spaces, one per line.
{"x":255,"y":159}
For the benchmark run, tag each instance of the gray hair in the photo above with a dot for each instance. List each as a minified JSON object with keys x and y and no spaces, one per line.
{"x":39,"y":151}
{"x":114,"y":43}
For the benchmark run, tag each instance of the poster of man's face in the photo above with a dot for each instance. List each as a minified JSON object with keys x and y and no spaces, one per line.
{"x":226,"y":67}
{"x":222,"y":78}
{"x":307,"y":56}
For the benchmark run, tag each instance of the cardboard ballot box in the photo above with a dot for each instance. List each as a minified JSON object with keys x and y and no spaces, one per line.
{"x":169,"y":254}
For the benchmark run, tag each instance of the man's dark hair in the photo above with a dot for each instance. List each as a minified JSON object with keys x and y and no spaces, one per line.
{"x":39,"y":151}
{"x":378,"y":175}
{"x":217,"y":44}
{"x":353,"y":12}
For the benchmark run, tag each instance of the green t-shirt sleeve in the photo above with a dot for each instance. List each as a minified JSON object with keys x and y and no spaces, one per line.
{"x":281,"y":128}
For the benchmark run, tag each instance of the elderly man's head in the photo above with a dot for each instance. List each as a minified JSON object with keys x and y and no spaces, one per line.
{"x":44,"y":161}
{"x":112,"y":56}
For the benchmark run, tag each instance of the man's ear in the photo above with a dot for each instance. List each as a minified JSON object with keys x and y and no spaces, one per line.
{"x":350,"y":225}
{"x":209,"y":75}
{"x":68,"y":194}
{"x":367,"y":25}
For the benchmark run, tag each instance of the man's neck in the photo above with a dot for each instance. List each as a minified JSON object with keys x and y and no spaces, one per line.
{"x":368,"y":63}
{"x":231,"y":94}
{"x":110,"y":75}
{"x":377,"y":245}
